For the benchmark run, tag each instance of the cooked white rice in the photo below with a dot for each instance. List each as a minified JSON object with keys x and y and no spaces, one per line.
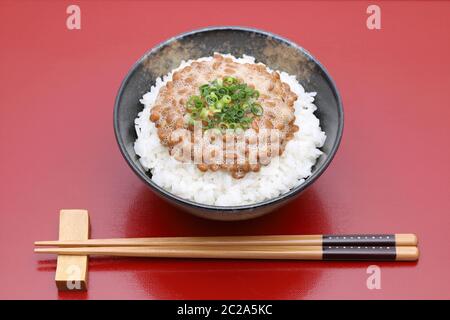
{"x":219,"y":188}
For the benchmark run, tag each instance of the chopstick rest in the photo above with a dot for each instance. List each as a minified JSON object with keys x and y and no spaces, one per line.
{"x":72,"y":270}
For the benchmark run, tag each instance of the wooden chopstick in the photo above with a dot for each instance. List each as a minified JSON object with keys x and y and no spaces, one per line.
{"x":401,"y":253}
{"x":287,"y":240}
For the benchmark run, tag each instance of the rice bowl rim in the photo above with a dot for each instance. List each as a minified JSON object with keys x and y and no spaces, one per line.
{"x":282,"y":197}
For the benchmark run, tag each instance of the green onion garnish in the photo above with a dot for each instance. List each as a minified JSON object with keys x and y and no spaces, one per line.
{"x":226,"y":99}
{"x":256,"y":109}
{"x":204,"y":114}
{"x":225,"y":104}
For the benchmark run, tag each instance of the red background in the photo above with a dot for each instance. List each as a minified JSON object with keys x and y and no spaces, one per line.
{"x":58,"y":149}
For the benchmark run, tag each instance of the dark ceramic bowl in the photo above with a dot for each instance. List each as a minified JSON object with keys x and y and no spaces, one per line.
{"x":274,"y":51}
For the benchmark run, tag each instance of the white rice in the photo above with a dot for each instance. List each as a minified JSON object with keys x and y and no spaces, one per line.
{"x":219,"y":188}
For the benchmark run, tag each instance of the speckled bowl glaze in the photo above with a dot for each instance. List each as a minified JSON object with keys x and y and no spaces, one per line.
{"x":272,"y":50}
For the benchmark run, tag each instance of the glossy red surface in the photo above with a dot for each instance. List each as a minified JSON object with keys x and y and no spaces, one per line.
{"x":58,"y":149}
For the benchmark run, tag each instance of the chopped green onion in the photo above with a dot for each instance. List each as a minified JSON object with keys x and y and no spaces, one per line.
{"x":223,"y":91}
{"x":195,"y":114}
{"x":257,"y":110}
{"x":223,"y":126}
{"x":230,"y":80}
{"x":226,"y":99}
{"x":219,"y":105}
{"x":211,"y":98}
{"x":213,"y":109}
{"x":224,"y":104}
{"x":204,"y":114}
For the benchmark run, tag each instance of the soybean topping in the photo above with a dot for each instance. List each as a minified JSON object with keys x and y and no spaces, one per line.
{"x":193,"y":95}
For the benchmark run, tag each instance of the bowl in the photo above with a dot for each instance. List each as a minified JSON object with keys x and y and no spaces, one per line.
{"x":274,"y":51}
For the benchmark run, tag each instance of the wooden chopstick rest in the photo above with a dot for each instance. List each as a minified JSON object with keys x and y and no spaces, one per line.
{"x":72,"y":270}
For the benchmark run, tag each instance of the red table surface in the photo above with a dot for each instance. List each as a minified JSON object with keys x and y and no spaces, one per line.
{"x":391,"y":173}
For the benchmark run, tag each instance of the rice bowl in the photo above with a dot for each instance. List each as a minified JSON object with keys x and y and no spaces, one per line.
{"x":287,"y":171}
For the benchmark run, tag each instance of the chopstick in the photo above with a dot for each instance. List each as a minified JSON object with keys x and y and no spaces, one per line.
{"x":374,"y":247}
{"x":327,"y":253}
{"x":287,"y":240}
